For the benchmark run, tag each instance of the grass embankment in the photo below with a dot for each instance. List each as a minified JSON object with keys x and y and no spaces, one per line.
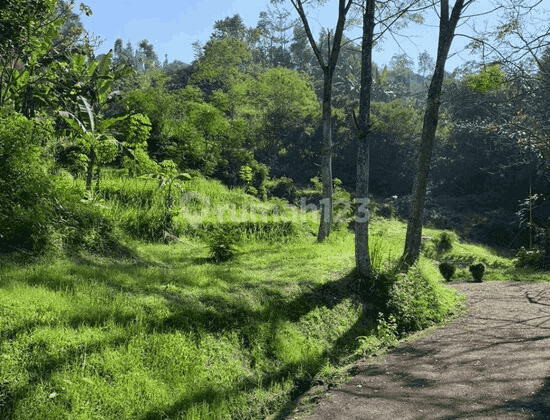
{"x":169,"y":333}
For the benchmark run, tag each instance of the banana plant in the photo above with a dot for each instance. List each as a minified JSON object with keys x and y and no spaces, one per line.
{"x":92,"y":83}
{"x":100,"y":146}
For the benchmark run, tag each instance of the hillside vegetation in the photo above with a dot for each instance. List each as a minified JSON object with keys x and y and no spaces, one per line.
{"x":159,"y":256}
{"x":131,"y":329}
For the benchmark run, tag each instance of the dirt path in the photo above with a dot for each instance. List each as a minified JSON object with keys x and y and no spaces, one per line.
{"x":492,"y":363}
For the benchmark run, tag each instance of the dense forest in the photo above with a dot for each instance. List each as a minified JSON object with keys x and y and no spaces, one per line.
{"x":247,"y":112}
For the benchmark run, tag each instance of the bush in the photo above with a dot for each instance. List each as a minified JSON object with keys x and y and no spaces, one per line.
{"x":445,"y":242}
{"x":416,"y":299}
{"x":532,"y":258}
{"x":269,"y":231}
{"x":447,"y":270}
{"x":222,"y":244}
{"x":26,"y":192}
{"x":281,"y":187}
{"x":149,"y":224}
{"x":85,"y":228}
{"x":477,"y":271}
{"x":433,"y":247}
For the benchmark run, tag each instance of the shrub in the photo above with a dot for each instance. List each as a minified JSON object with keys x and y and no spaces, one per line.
{"x":222,"y":244}
{"x":148,"y":224}
{"x":447,"y":270}
{"x":534,"y":258}
{"x":445,"y":242}
{"x":281,"y":187}
{"x":416,"y":299}
{"x":26,"y":192}
{"x":386,"y":208}
{"x":85,"y":228}
{"x":477,"y":271}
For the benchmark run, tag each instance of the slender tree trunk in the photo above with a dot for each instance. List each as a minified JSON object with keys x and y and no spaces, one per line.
{"x":90,"y":171}
{"x":328,"y":72}
{"x":362,"y":258}
{"x":326,"y":160}
{"x":447,"y":28}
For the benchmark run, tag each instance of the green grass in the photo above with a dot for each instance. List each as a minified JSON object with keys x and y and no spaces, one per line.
{"x":171,"y":335}
{"x":166,"y":333}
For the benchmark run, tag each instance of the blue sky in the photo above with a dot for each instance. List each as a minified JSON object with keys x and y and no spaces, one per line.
{"x":172,"y":26}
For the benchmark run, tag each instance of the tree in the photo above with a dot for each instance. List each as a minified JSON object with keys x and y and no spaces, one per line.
{"x":234,"y":27}
{"x":426,"y":63}
{"x":447,"y":27}
{"x":303,"y":57}
{"x":274,"y":38}
{"x":93,"y":84}
{"x":364,"y":125}
{"x":328,"y":66}
{"x":32,"y":52}
{"x":362,"y":257}
{"x":401,"y":66}
{"x":146,"y":56}
{"x":143,"y":59}
{"x":275,"y":101}
{"x":221,"y":64}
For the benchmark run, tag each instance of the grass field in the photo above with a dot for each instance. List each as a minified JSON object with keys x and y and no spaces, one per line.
{"x":168,"y":333}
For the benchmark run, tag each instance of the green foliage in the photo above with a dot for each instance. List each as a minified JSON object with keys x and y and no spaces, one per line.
{"x":95,"y":132}
{"x":275,"y":99}
{"x":138,"y":129}
{"x":30,"y":64}
{"x":26,"y":193}
{"x":442,"y":242}
{"x":477,"y":271}
{"x":417,"y":299}
{"x":403,"y":118}
{"x":491,"y":78}
{"x":447,"y":270}
{"x":223,"y":244}
{"x":150,"y":224}
{"x":445,"y":242}
{"x":221,"y":63}
{"x":144,"y":207}
{"x":139,"y":162}
{"x":85,"y":229}
{"x":282,"y":187}
{"x":532,"y":258}
{"x":534,"y":216}
{"x":246,"y":175}
{"x":269,"y":231}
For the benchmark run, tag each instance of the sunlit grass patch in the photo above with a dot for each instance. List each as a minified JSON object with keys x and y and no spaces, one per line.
{"x":170,"y":333}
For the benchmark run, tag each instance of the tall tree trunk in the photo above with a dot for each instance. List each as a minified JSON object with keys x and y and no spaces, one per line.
{"x":447,"y":28}
{"x":328,"y":72}
{"x":362,"y":258}
{"x":326,"y":160}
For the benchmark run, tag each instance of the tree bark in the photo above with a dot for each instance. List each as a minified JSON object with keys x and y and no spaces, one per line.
{"x":447,"y":27}
{"x":326,"y":160}
{"x":90,"y":171}
{"x":362,"y":257}
{"x":328,"y":72}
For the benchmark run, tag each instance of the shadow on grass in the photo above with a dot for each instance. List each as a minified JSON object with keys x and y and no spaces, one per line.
{"x":43,"y":367}
{"x":207,"y":313}
{"x":248,"y":321}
